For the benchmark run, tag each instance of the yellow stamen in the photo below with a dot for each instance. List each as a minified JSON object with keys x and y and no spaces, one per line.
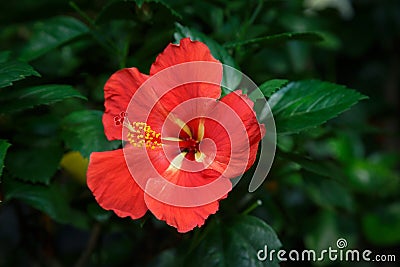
{"x":141,"y":135}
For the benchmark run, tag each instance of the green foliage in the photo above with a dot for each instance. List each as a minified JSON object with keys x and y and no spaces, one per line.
{"x":3,"y":150}
{"x":306,"y":104}
{"x":49,"y":199}
{"x":50,"y":34}
{"x":11,"y":71}
{"x":324,"y":168}
{"x":373,"y":176}
{"x":35,"y":164}
{"x":83,"y":131}
{"x":267,"y":88}
{"x":29,"y":97}
{"x":324,"y":230}
{"x":328,"y":193}
{"x":382,"y":225}
{"x":235,"y":243}
{"x":278,"y":38}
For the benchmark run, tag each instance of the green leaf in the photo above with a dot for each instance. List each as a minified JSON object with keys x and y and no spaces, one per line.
{"x":231,"y":78}
{"x":323,"y":168}
{"x":371,"y":176}
{"x":235,"y":244}
{"x":306,"y":104}
{"x":139,"y":3}
{"x":279,"y":38}
{"x":268,"y":88}
{"x":45,"y":198}
{"x":3,"y":150}
{"x":327,"y":193}
{"x":324,"y":229}
{"x":12,"y":71}
{"x":382,"y":226}
{"x":36,"y":164}
{"x":50,"y":34}
{"x":51,"y":200}
{"x":346,"y":147}
{"x":4,"y":56}
{"x":33,"y":96}
{"x":83,"y":131}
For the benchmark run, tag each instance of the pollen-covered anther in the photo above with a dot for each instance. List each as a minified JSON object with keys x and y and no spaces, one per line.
{"x":141,"y":135}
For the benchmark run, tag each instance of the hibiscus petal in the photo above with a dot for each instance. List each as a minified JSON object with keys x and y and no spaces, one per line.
{"x":175,"y":82}
{"x":186,"y":51}
{"x":216,"y":133}
{"x":118,"y":92}
{"x":182,"y":218}
{"x":113,"y":186}
{"x":243,"y":107}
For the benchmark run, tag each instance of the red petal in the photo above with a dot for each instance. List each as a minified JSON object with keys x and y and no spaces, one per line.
{"x":180,"y":95}
{"x":186,"y":51}
{"x":243,"y":107}
{"x":175,"y":83}
{"x":184,"y":219}
{"x":217,"y":133}
{"x":113,"y":186}
{"x":172,"y":83}
{"x":118,"y":92}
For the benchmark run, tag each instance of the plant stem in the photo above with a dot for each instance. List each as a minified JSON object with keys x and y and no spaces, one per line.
{"x":252,"y":207}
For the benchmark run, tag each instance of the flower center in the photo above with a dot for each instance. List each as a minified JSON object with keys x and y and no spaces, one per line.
{"x":189,"y":145}
{"x":142,"y":135}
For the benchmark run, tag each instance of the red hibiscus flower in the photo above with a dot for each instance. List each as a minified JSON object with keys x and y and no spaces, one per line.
{"x":182,"y":144}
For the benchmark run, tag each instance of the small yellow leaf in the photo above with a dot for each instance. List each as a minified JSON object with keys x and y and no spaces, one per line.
{"x":76,"y":165}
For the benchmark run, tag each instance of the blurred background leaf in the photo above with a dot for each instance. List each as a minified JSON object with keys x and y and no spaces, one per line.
{"x":35,"y":164}
{"x":3,"y":150}
{"x":51,"y":33}
{"x":76,"y":165}
{"x":38,"y":95}
{"x":83,"y":131}
{"x":382,"y":226}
